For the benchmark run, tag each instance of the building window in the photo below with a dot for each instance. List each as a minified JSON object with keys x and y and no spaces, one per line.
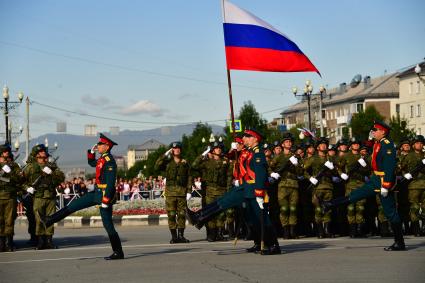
{"x":418,"y":87}
{"x":419,"y":131}
{"x":359,"y":107}
{"x":418,"y":110}
{"x":412,"y":110}
{"x":410,"y":87}
{"x":397,"y":108}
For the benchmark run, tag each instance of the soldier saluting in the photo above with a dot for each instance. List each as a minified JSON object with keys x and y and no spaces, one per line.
{"x":382,"y":180}
{"x":103,"y":194}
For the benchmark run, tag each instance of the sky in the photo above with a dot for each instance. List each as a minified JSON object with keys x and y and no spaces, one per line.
{"x":148,"y":64}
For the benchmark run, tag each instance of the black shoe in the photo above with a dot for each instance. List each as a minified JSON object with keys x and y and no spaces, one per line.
{"x":327,"y":205}
{"x":49,"y":243}
{"x":40,"y":243}
{"x":174,"y":238}
{"x":255,"y":248}
{"x":211,"y":237}
{"x":115,"y":255}
{"x":396,"y":247}
{"x":292,"y":232}
{"x":398,"y":238}
{"x":220,"y":236}
{"x":181,"y":237}
{"x":273,"y":250}
{"x":9,"y":247}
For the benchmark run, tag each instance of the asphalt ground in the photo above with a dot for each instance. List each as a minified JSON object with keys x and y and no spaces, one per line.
{"x":150,"y":258}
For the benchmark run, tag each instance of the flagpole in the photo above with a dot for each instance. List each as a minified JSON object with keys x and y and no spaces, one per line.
{"x":232,"y":114}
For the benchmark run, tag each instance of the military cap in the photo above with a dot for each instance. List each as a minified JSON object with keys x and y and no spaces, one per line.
{"x":403,"y":141}
{"x":287,"y":136}
{"x":418,"y":138}
{"x":3,"y":148}
{"x":238,"y":139}
{"x":176,"y":144}
{"x":354,"y":140}
{"x":342,"y":142}
{"x":105,"y":140}
{"x":266,"y":146}
{"x":38,"y":148}
{"x":253,"y":133}
{"x":380,"y":125}
{"x":332,"y":147}
{"x":276,"y":144}
{"x":322,"y":140}
{"x":308,"y":143}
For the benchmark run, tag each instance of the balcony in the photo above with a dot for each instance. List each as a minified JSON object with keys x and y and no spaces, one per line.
{"x":343,"y":119}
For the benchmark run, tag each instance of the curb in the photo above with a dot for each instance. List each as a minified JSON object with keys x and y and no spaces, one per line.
{"x":96,"y":221}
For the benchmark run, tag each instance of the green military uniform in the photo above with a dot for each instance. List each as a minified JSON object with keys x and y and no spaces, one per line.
{"x":306,"y":208}
{"x":178,"y":185}
{"x":216,"y":182}
{"x":416,"y":188}
{"x":44,"y":179}
{"x":9,"y":186}
{"x":403,"y":194}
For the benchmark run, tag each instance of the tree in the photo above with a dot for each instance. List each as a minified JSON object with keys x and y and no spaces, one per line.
{"x":399,"y":129}
{"x":193,"y":145}
{"x":362,"y":122}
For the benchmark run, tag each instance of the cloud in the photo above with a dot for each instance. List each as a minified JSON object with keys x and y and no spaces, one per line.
{"x":40,"y":118}
{"x":186,"y":95}
{"x":143,"y":107}
{"x":95,"y":101}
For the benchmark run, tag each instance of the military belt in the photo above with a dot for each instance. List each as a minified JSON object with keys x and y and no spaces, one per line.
{"x":379,"y":173}
{"x":101,"y":186}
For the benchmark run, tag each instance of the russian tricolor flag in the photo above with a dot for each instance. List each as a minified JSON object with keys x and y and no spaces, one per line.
{"x":252,"y":44}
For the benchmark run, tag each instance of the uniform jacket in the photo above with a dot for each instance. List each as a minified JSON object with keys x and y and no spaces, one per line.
{"x":106,"y":174}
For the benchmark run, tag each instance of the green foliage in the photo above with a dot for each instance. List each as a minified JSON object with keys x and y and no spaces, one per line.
{"x":193,"y":145}
{"x":346,"y":133}
{"x":399,"y":129}
{"x":362,"y":122}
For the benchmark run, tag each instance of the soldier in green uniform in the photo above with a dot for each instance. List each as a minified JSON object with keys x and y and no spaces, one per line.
{"x":177,"y":192}
{"x":321,"y":164}
{"x":403,"y":192}
{"x":268,"y":152}
{"x":287,"y":194}
{"x":416,"y":159}
{"x":9,"y":185}
{"x":103,"y":194}
{"x":216,"y":168}
{"x":382,"y":181}
{"x":41,"y":179}
{"x":306,"y":217}
{"x":354,"y":169}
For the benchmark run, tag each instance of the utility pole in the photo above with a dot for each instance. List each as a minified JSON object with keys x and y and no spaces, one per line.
{"x":27,"y":129}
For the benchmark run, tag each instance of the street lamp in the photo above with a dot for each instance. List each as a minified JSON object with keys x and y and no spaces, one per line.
{"x":9,"y":105}
{"x":307,"y":91}
{"x":418,"y":71}
{"x":322,"y":92}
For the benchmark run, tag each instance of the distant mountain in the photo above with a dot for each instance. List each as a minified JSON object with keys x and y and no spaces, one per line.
{"x":72,"y":149}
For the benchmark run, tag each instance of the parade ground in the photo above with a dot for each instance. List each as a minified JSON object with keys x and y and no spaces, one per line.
{"x":150,"y":258}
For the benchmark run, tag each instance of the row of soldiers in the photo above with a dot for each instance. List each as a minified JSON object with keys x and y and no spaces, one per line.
{"x":299,"y":177}
{"x":34,"y":185}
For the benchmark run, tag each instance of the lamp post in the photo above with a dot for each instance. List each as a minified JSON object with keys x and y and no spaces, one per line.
{"x":322,"y":92}
{"x":9,"y":105}
{"x":307,"y":91}
{"x":418,"y":71}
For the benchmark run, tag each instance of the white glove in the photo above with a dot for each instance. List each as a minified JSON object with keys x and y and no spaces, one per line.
{"x":168,"y":152}
{"x":30,"y":190}
{"x":329,"y":164}
{"x":294,"y":160}
{"x":362,"y":162}
{"x":206,"y":151}
{"x":188,"y":196}
{"x":408,"y":176}
{"x":93,"y":148}
{"x":67,"y":191}
{"x":384,"y":192}
{"x":47,"y":170}
{"x":371,"y":136}
{"x":6,"y":169}
{"x":260,"y":202}
{"x":344,"y":176}
{"x":313,"y":180}
{"x":423,"y":161}
{"x":335,"y":179}
{"x":104,"y":205}
{"x":275,"y":175}
{"x":234,"y":145}
{"x":236,"y":183}
{"x":90,"y":188}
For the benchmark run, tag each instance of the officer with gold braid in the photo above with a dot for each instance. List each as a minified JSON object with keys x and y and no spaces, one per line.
{"x":102,"y":195}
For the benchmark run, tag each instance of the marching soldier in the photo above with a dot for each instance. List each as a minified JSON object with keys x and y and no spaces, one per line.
{"x":102,"y":195}
{"x":267,"y":152}
{"x":383,"y":180}
{"x":178,"y":190}
{"x":403,"y":192}
{"x":287,"y":167}
{"x":416,"y":159}
{"x":216,"y":169}
{"x":9,"y":185}
{"x":354,"y":169}
{"x":41,"y":179}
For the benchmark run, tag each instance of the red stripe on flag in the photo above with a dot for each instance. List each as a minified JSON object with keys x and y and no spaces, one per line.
{"x":259,"y":59}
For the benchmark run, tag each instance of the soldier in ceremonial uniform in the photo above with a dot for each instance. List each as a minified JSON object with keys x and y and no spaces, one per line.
{"x":41,"y":180}
{"x":178,"y":190}
{"x":9,"y":186}
{"x":215,"y":167}
{"x":250,"y":192}
{"x":415,"y":163}
{"x":102,"y":195}
{"x":382,"y":181}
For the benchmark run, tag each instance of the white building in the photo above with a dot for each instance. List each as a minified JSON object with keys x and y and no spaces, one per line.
{"x":90,"y":130}
{"x":140,"y":152}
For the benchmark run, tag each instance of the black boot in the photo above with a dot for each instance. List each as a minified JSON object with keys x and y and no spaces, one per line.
{"x":9,"y":244}
{"x":174,"y":238}
{"x":2,"y":244}
{"x":293,"y":232}
{"x":116,"y":247}
{"x":286,"y":234}
{"x":398,"y":238}
{"x":49,"y":243}
{"x":40,"y":243}
{"x":48,"y":221}
{"x":201,"y":217}
{"x":212,"y":235}
{"x":360,"y":230}
{"x":181,"y":237}
{"x":231,"y":228}
{"x":255,"y":248}
{"x":416,"y":231}
{"x":220,"y":234}
{"x":328,"y":232}
{"x":320,"y":231}
{"x":385,"y":229}
{"x":406,"y":228}
{"x":329,"y":204}
{"x":353,"y":230}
